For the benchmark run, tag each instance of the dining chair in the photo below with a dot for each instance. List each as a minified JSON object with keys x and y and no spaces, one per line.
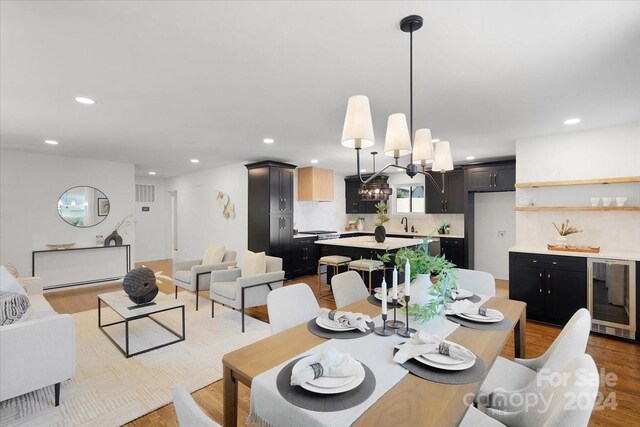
{"x":187,"y":410}
{"x":507,"y":375}
{"x":476,"y":281}
{"x":564,"y":403}
{"x":291,"y":305}
{"x":194,"y":275}
{"x":348,"y":287}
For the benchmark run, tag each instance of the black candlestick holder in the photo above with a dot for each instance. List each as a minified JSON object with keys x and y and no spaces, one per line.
{"x":383,"y":330}
{"x":395,"y":324}
{"x":406,"y":332}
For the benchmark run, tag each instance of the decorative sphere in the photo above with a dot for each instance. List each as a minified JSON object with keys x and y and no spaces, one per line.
{"x":140,"y":285}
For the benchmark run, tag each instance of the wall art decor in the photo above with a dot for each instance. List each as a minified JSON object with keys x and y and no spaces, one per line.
{"x":228,"y":208}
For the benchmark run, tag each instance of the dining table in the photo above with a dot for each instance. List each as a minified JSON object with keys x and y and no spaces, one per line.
{"x":411,"y":401}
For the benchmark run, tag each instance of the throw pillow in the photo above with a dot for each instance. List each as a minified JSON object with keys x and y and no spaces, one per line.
{"x":13,"y":307}
{"x":214,"y":255}
{"x":254,"y":263}
{"x":8,"y":283}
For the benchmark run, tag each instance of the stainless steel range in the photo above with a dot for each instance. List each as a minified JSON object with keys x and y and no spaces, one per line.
{"x":323,"y":234}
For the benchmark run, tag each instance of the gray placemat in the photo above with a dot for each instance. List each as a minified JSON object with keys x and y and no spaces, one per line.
{"x":471,"y":375}
{"x":375,"y":301}
{"x":344,"y":335}
{"x":305,"y":399}
{"x":503,"y":325}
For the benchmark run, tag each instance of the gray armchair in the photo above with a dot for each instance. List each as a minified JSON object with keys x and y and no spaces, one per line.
{"x":229,"y":288}
{"x":195,"y":277}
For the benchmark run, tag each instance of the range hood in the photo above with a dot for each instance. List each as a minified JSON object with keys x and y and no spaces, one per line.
{"x":315,"y":185}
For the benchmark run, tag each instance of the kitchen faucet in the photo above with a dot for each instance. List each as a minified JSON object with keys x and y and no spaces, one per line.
{"x":405,"y":221}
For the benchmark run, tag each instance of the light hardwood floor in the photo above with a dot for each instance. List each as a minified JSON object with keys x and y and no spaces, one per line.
{"x":612,"y":355}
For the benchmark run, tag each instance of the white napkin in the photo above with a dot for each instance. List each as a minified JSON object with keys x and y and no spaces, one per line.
{"x":459,"y":294}
{"x":423,"y":343}
{"x":470,"y":309}
{"x":332,"y":363}
{"x":345,"y":319}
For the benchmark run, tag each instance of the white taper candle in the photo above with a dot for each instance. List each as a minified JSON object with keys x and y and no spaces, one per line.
{"x":407,"y":279}
{"x":384,"y":296}
{"x":394,"y":292}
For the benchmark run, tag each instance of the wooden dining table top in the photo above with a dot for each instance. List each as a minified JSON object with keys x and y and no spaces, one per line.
{"x":413,"y":400}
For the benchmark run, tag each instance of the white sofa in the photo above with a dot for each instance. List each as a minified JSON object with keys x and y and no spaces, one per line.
{"x":39,"y":352}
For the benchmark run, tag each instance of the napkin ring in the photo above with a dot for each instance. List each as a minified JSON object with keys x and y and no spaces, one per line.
{"x":482,"y":310}
{"x":332,"y":314}
{"x":443,"y":348}
{"x":317,"y":370}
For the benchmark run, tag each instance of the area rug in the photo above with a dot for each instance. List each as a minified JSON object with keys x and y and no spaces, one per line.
{"x":110,"y":390}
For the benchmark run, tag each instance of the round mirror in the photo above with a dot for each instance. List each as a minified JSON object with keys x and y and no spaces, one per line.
{"x":83,"y":206}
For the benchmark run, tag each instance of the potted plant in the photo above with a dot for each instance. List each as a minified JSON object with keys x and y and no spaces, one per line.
{"x":445,"y":227}
{"x":360,"y":223}
{"x":381,"y":218}
{"x":565,"y":230}
{"x":114,"y":236}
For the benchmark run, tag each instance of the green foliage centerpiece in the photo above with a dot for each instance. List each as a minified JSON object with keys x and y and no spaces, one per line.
{"x":382,"y":217}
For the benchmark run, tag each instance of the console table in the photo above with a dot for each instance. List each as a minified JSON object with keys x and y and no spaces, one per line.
{"x":60,"y":268}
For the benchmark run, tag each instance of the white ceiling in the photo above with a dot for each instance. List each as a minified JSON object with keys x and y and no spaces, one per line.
{"x":178,"y":80}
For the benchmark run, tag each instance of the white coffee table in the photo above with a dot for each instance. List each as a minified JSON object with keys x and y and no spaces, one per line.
{"x":120,"y":303}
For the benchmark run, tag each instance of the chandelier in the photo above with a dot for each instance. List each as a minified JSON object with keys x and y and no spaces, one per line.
{"x":357,"y":132}
{"x":377,"y":189}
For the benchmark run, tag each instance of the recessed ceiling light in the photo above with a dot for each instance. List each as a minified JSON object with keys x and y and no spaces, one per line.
{"x":363,"y":170}
{"x":152,"y":173}
{"x":314,"y":161}
{"x":83,"y":100}
{"x":573,"y":121}
{"x":51,"y":142}
{"x":195,"y":161}
{"x":435,"y":140}
{"x":470,"y":157}
{"x":268,"y":140}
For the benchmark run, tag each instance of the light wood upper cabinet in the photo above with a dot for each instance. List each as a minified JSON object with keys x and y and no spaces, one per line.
{"x":315,"y":185}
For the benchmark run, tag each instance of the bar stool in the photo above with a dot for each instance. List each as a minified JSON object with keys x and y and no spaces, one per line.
{"x":367,"y":265}
{"x":335,"y":261}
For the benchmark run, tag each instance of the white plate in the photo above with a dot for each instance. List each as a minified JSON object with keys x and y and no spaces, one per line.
{"x":331,"y":382}
{"x":434,"y":361}
{"x":442,"y":359}
{"x":481,"y":319}
{"x":353,"y":383}
{"x":379,"y":297}
{"x":320,"y":321}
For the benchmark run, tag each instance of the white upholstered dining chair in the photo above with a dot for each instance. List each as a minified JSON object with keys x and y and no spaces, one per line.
{"x":291,"y":305}
{"x":348,"y":287}
{"x":566,"y":403}
{"x":187,"y":410}
{"x":237,"y":289}
{"x":195,"y":275}
{"x":507,"y":375}
{"x":479,"y":282}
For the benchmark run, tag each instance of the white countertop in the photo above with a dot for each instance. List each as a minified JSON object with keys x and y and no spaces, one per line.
{"x":406,"y":233}
{"x":303,"y":235}
{"x":369,"y":242}
{"x":627,"y":256}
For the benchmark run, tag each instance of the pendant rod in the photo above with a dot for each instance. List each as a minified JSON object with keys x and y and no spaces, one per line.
{"x":411,"y":90}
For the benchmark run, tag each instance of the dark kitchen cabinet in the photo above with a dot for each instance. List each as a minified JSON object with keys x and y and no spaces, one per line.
{"x":452,"y":200}
{"x":270,"y":209}
{"x":453,"y":250}
{"x":492,"y":178}
{"x":353,"y":203}
{"x":554,"y":287}
{"x":303,"y":258}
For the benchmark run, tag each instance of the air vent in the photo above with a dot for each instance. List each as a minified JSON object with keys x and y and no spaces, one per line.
{"x":618,"y":332}
{"x":145,"y":193}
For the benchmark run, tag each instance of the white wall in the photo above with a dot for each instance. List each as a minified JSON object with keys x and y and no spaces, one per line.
{"x":329,"y":216}
{"x":153,"y":228}
{"x":200,"y":220}
{"x":493,"y":214}
{"x":599,"y":153}
{"x":30,"y":185}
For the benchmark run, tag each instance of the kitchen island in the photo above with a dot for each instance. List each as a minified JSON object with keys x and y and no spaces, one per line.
{"x":366,"y":247}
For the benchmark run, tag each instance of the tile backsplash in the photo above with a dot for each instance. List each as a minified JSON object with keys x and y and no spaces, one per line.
{"x":426,"y":223}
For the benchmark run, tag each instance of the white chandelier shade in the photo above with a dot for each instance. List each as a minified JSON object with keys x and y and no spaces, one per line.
{"x":398,"y":141}
{"x":358,"y":126}
{"x":443,"y":161}
{"x":422,"y":147}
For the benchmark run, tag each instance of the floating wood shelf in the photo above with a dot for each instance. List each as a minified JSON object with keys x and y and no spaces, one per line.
{"x":577,"y":208}
{"x":618,"y":180}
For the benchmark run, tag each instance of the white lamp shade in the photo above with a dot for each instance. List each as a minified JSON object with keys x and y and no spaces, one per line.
{"x":397,"y":142}
{"x":358,"y":127}
{"x":442,"y":155}
{"x":422,"y":147}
